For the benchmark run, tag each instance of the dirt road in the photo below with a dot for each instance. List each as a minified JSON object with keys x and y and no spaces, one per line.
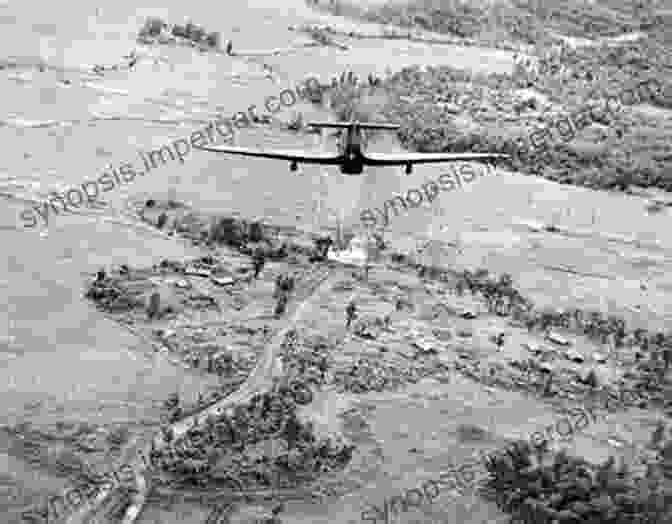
{"x":260,"y":379}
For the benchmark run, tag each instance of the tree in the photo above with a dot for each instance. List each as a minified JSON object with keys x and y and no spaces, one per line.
{"x":667,"y":357}
{"x":591,"y":379}
{"x":490,"y":294}
{"x":658,"y":435}
{"x":168,"y":434}
{"x":499,"y":340}
{"x":226,"y":427}
{"x":214,"y":455}
{"x":154,"y":305}
{"x":214,"y":40}
{"x":548,"y":385}
{"x":292,"y":430}
{"x":152,"y":27}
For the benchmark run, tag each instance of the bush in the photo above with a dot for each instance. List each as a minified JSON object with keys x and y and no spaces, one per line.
{"x":195,"y":32}
{"x":179,"y":31}
{"x":153,"y":27}
{"x":227,"y":231}
{"x":588,"y":153}
{"x":591,"y":379}
{"x":214,"y":40}
{"x":256,"y":232}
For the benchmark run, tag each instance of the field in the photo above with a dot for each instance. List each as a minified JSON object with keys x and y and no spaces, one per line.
{"x":134,"y":325}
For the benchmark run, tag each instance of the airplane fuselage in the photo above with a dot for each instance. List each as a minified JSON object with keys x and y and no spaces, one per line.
{"x":351,"y":148}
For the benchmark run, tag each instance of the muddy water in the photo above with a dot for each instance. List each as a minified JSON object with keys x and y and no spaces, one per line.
{"x":62,"y":361}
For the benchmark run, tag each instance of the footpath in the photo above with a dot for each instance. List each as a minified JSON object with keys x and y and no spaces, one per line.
{"x":260,"y":379}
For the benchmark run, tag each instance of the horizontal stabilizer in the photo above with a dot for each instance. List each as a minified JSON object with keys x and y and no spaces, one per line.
{"x":330,"y":124}
{"x":379,"y":126}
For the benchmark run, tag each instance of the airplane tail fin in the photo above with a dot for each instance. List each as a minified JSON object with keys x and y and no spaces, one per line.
{"x":362,"y":125}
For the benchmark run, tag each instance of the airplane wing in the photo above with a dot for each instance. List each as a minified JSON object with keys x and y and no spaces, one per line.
{"x":400,"y":159}
{"x":297,"y":156}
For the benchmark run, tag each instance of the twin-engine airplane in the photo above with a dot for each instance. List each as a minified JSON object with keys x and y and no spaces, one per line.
{"x":351,"y":156}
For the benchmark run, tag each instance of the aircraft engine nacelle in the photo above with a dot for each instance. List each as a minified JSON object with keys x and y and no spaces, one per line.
{"x":409,"y":169}
{"x":294,"y":166}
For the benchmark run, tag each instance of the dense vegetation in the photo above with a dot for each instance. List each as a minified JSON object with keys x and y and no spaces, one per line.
{"x":521,"y":20}
{"x":156,"y":30}
{"x":542,"y":487}
{"x":444,"y":109}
